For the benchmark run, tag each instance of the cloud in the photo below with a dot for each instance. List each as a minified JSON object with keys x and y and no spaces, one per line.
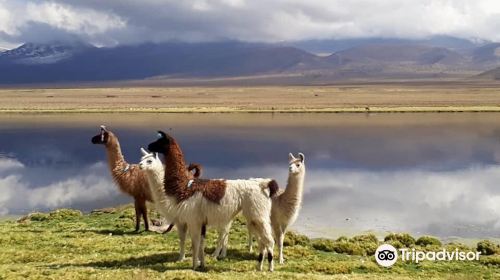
{"x":109,"y":22}
{"x":20,"y":192}
{"x":39,"y":21}
{"x":463,"y":202}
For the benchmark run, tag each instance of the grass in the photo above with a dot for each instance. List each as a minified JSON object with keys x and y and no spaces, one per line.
{"x":66,"y":244}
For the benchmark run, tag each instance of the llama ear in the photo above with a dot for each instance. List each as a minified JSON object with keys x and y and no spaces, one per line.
{"x":302,"y":157}
{"x":290,"y":157}
{"x":103,"y":127}
{"x":157,"y":157}
{"x":161,"y":134}
{"x":144,"y":152}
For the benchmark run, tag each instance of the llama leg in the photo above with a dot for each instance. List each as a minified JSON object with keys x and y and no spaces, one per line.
{"x":270,"y":245}
{"x":202,"y":245}
{"x":250,"y":241}
{"x":194,"y":231}
{"x":226,"y":239}
{"x":218,"y":249}
{"x":137,"y":215}
{"x":280,"y":238}
{"x":221,"y":250}
{"x":266,"y":241}
{"x":257,"y":226}
{"x":144,"y":211}
{"x":182,"y":230}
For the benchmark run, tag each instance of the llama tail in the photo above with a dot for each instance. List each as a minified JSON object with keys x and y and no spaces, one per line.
{"x":197,"y":169}
{"x":273,"y":188}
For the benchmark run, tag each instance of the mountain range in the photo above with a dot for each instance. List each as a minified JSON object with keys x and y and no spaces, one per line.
{"x":325,"y":60}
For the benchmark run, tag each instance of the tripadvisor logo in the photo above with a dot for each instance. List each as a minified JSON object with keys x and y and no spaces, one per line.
{"x":386,"y":255}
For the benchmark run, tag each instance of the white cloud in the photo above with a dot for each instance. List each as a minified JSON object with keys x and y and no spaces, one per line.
{"x":9,"y":163}
{"x":463,"y":202}
{"x":20,"y":194}
{"x":256,"y":20}
{"x":50,"y":20}
{"x":78,"y":20}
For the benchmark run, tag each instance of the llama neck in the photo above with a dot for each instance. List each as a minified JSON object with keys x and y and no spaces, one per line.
{"x":294,"y":187}
{"x":175,"y":170}
{"x":155,"y":181}
{"x":160,"y":199}
{"x":116,"y":161}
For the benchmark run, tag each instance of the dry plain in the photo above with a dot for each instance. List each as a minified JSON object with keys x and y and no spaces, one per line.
{"x":361,"y":97}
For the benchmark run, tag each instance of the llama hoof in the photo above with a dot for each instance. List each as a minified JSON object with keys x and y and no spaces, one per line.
{"x":181,"y":259}
{"x":156,"y":222}
{"x":259,"y":267}
{"x":282,"y":261}
{"x":201,"y":268}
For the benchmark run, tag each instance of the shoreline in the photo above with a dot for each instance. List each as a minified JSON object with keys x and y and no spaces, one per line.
{"x":208,"y":110}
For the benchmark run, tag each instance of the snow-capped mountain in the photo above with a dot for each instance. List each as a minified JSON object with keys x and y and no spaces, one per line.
{"x":48,"y":53}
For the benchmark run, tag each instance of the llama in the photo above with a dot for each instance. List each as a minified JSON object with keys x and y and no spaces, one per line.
{"x":286,"y":204}
{"x":203,"y":203}
{"x":129,"y":178}
{"x":155,"y":173}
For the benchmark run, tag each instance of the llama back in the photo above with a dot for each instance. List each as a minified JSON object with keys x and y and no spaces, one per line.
{"x":269,"y":187}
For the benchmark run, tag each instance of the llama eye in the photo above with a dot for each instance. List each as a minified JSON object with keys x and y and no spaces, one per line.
{"x":298,"y":165}
{"x":149,"y":161}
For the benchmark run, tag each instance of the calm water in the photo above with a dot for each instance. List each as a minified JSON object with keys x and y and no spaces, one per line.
{"x":427,"y":173}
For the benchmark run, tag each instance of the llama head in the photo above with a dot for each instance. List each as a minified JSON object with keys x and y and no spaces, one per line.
{"x":162,"y":144}
{"x":150,"y":161}
{"x":103,"y":137}
{"x":296,"y":165}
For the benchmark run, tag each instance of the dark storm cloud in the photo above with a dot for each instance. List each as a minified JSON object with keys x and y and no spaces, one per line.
{"x":113,"y":22}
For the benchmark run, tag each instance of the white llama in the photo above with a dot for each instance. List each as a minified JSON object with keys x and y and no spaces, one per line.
{"x":155,"y":174}
{"x":202,"y":202}
{"x":287,"y":203}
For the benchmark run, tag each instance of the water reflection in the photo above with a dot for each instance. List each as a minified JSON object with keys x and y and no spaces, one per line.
{"x":424,"y":173}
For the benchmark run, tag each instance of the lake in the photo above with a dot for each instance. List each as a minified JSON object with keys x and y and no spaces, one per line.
{"x":430,"y":173}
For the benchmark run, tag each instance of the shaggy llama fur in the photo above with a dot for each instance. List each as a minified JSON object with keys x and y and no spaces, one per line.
{"x":286,"y":205}
{"x":129,"y":178}
{"x":252,"y":197}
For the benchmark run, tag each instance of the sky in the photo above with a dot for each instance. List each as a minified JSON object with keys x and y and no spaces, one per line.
{"x":113,"y":22}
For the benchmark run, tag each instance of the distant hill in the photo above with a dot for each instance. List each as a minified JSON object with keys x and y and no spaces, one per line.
{"x":56,"y":63}
{"x":336,"y":45}
{"x":399,"y":53}
{"x":493,"y":74}
{"x":362,"y":58}
{"x":488,"y":55}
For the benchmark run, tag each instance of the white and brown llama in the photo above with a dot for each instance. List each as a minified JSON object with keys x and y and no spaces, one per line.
{"x":287,"y":203}
{"x":201,"y":202}
{"x":129,"y":178}
{"x":155,"y":172}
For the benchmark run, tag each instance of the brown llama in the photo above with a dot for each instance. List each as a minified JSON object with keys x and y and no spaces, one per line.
{"x":129,"y":177}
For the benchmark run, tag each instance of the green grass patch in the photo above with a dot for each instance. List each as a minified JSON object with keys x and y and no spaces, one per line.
{"x":66,"y":244}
